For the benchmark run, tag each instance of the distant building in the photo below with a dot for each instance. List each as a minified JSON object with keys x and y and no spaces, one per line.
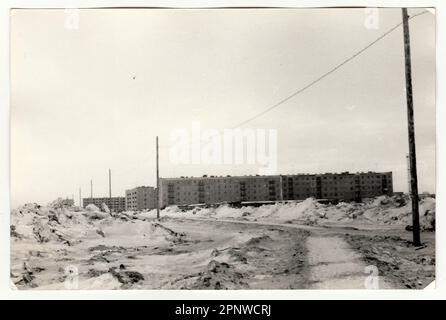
{"x":115,"y":204}
{"x":67,"y":202}
{"x":140,"y":198}
{"x":217,"y":189}
{"x":332,"y":186}
{"x":60,"y":203}
{"x":426,"y":194}
{"x":337,"y":186}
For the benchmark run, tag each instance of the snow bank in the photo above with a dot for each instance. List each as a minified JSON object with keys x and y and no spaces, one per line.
{"x":380,"y":210}
{"x":140,"y":232}
{"x":44,"y":224}
{"x":45,"y":239}
{"x":47,"y":224}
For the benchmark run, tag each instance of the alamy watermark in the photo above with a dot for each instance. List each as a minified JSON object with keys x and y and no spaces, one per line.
{"x":71,"y":277}
{"x":238,"y":146}
{"x":71,"y":21}
{"x":371,"y":19}
{"x":371,"y":281}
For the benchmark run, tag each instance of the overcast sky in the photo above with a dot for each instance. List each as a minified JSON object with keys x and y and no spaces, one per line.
{"x":88,"y":99}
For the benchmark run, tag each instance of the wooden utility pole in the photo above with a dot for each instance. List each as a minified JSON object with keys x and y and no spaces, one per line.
{"x":91,"y":189}
{"x":80,"y":197}
{"x":109,"y":191}
{"x":109,"y":184}
{"x":411,"y":132}
{"x":408,"y":174}
{"x":157,"y":182}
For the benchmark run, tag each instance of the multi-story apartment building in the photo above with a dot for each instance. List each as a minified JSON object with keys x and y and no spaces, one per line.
{"x":259,"y":188}
{"x":140,"y":198}
{"x":115,"y":204}
{"x":195,"y":190}
{"x":343,"y":186}
{"x":198,"y":190}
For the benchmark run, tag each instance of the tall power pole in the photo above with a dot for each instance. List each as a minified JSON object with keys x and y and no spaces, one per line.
{"x":91,"y":189}
{"x":110,"y":207}
{"x":411,"y":133}
{"x":109,"y":184}
{"x":80,"y":197}
{"x":408,"y":173}
{"x":157,"y":182}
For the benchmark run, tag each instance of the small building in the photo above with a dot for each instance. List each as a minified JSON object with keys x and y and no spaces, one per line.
{"x":140,"y":198}
{"x":68,"y":202}
{"x":115,"y":204}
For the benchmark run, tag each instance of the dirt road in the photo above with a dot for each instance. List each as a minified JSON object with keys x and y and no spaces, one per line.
{"x":249,"y":255}
{"x":346,"y":257}
{"x":226,"y":254}
{"x":334,"y":265}
{"x":330,"y":262}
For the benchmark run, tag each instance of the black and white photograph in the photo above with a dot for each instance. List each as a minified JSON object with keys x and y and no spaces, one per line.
{"x":222,"y":148}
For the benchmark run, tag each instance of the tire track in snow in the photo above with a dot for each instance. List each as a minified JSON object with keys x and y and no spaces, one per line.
{"x":332,"y":262}
{"x":334,"y":265}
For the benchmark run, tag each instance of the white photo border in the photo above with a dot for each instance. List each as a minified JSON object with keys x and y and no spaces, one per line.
{"x":6,"y":292}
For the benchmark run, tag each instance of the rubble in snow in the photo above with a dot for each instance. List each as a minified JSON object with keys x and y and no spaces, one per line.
{"x":105,"y":208}
{"x":127,"y":278}
{"x":44,"y":237}
{"x":125,"y":250}
{"x":396,"y":258}
{"x":219,"y":275}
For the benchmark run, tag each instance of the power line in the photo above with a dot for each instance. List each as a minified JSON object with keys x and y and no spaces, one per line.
{"x":326,"y":74}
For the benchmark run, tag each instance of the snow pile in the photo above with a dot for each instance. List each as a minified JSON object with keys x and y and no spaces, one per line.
{"x":43,"y":224}
{"x":150,"y":214}
{"x":105,"y":208}
{"x":218,"y":276}
{"x":61,"y":203}
{"x":45,"y":239}
{"x":105,"y":281}
{"x":398,"y":210}
{"x":279,"y":212}
{"x":308,"y":211}
{"x":94,"y":212}
{"x":48,"y":224}
{"x":92,"y":208}
{"x":380,"y":210}
{"x":222,"y":212}
{"x":139,"y":232}
{"x":427,"y":208}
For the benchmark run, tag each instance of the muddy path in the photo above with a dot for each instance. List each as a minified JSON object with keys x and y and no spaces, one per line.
{"x":254,"y":256}
{"x":227,"y":254}
{"x":346,"y":257}
{"x":335,"y":265}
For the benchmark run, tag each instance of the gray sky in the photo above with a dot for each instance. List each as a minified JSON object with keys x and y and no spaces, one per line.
{"x":94,"y":98}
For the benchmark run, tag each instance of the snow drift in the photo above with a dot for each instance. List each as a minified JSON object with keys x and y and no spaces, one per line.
{"x":385,"y":210}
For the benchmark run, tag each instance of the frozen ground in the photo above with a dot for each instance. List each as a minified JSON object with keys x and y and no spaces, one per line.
{"x":282,"y":246}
